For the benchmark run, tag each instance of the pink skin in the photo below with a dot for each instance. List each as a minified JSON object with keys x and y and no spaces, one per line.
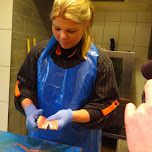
{"x":138,"y":122}
{"x":67,"y":32}
{"x":44,"y":124}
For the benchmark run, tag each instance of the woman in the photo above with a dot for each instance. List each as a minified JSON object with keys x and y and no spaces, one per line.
{"x":68,"y":80}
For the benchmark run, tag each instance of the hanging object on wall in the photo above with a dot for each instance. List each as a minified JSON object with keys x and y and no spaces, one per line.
{"x":34,"y":41}
{"x":28,"y":45}
{"x":112,"y":44}
{"x":150,"y":47}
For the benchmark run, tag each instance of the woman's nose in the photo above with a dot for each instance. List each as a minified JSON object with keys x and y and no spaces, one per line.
{"x":63,"y":35}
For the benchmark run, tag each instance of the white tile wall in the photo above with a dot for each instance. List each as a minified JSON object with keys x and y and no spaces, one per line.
{"x":5,"y":47}
{"x":125,"y":48}
{"x":129,"y":17}
{"x":136,"y":98}
{"x":111,"y":30}
{"x":140,"y":57}
{"x":131,"y":32}
{"x":106,"y":46}
{"x":113,"y":16}
{"x":138,"y":79}
{"x":143,"y":32}
{"x":97,"y":31}
{"x":4,"y":83}
{"x":6,"y":7}
{"x":144,"y":17}
{"x":3,"y":116}
{"x":100,"y":15}
{"x":124,"y":37}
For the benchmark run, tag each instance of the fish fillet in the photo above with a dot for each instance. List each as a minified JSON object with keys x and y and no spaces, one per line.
{"x":44,"y":124}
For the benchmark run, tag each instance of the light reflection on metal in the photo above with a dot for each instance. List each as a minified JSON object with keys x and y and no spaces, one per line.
{"x":128,"y":65}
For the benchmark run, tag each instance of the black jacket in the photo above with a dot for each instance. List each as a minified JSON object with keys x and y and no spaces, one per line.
{"x":105,"y":90}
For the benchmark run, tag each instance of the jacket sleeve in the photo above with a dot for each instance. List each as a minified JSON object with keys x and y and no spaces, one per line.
{"x":27,"y":78}
{"x":105,"y":95}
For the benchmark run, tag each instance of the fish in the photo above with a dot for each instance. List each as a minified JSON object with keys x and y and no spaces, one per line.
{"x":27,"y":149}
{"x":44,"y":124}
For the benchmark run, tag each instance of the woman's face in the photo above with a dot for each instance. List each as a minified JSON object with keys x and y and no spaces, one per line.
{"x":67,"y":32}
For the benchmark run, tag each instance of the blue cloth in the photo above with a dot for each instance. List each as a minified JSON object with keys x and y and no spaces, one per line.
{"x":67,"y":88}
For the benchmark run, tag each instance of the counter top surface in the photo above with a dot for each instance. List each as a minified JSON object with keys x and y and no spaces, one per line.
{"x":17,"y":143}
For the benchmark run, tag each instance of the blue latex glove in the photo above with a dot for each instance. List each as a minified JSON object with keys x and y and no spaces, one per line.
{"x":32,"y":114}
{"x":63,"y":116}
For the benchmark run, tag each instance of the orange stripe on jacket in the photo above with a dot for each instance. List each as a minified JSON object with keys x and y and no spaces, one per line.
{"x":110,"y":108}
{"x":17,"y":91}
{"x":58,"y":51}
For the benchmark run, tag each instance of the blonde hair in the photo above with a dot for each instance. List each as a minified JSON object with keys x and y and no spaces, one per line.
{"x":80,"y":11}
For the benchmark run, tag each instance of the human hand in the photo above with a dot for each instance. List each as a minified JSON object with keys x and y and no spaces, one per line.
{"x":32,"y":114}
{"x":63,"y":117}
{"x":138,"y":122}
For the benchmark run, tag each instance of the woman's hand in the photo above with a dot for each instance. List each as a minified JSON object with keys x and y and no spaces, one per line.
{"x":32,"y":114}
{"x":63,"y":117}
{"x":66,"y":116}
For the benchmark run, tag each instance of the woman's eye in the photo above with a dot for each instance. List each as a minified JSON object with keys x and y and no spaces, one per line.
{"x":71,"y":31}
{"x":57,"y":29}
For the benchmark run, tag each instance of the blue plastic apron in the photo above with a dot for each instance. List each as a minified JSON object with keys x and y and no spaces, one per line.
{"x":67,"y":88}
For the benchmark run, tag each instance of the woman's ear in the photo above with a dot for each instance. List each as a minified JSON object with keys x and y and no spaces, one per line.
{"x":87,"y":24}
